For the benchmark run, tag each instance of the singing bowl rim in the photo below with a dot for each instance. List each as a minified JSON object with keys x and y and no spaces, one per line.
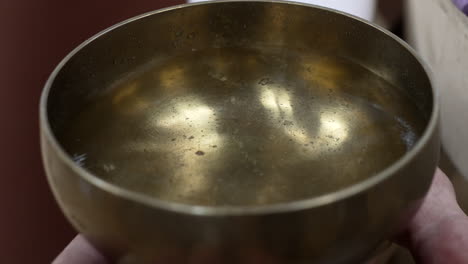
{"x":296,"y":205}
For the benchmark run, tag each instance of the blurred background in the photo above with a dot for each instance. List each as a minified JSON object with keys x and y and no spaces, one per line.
{"x":35,"y":36}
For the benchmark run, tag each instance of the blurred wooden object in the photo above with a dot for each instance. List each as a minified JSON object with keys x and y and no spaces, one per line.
{"x":439,"y":32}
{"x":35,"y":36}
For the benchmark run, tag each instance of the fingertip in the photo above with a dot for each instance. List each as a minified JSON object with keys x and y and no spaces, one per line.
{"x":80,"y":251}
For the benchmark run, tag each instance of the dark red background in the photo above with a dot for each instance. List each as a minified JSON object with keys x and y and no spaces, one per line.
{"x":34,"y":36}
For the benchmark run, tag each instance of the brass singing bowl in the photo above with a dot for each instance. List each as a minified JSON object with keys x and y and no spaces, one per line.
{"x":240,"y":132}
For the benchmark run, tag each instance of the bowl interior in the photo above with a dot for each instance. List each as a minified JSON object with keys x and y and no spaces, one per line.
{"x":240,"y":103}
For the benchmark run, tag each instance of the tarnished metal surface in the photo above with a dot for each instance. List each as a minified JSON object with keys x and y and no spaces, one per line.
{"x":240,"y":132}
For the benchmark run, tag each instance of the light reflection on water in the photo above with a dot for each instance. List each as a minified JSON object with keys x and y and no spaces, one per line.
{"x":244,"y":127}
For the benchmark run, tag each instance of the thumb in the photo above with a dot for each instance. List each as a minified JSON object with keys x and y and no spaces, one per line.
{"x":79,"y":251}
{"x":438,"y":233}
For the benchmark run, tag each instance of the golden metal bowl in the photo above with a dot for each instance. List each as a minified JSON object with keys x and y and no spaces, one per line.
{"x":240,"y":132}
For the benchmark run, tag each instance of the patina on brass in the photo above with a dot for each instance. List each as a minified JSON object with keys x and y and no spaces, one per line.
{"x":240,"y":132}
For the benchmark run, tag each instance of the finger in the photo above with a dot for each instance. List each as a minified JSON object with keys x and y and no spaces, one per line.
{"x":439,"y":230}
{"x":439,"y":203}
{"x":80,"y":251}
